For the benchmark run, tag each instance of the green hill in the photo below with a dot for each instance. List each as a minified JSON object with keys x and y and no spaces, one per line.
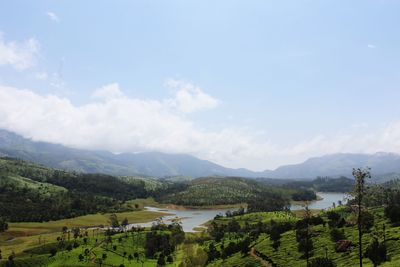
{"x":30,"y":192}
{"x":210,"y":191}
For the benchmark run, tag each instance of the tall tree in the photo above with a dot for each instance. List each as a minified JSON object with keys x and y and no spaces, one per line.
{"x":360,"y":175}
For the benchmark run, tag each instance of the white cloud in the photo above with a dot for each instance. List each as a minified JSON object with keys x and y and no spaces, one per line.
{"x":108,"y":92}
{"x":371,"y":46}
{"x":118,"y":123}
{"x":19,"y":55}
{"x":189,"y":98}
{"x":53,"y":16}
{"x":121,"y":124}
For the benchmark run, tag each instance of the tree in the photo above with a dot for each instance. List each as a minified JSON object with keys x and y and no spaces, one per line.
{"x":161,"y":260}
{"x":3,"y":225}
{"x":303,"y":235}
{"x":53,"y":252}
{"x":376,"y":252}
{"x":76,"y":232}
{"x":360,"y":175}
{"x":392,"y":211}
{"x":113,"y":220}
{"x":125,"y":222}
{"x":170,"y":259}
{"x":337,"y":234}
{"x":321,"y":261}
{"x":212,"y":252}
{"x":10,"y":262}
{"x":367,"y":221}
{"x":233,"y":226}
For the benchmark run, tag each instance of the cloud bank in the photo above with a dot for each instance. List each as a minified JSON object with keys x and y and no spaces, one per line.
{"x":118,"y":123}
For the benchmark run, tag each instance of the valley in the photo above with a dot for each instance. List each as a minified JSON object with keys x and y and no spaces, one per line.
{"x":219,"y":221}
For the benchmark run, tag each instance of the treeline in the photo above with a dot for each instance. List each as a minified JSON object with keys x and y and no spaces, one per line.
{"x":324,"y":184}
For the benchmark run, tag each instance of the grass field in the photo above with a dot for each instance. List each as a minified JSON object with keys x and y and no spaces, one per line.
{"x":22,"y":236}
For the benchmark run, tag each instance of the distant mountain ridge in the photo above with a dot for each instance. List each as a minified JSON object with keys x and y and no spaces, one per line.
{"x":341,"y":164}
{"x":155,"y":164}
{"x":384,"y":165}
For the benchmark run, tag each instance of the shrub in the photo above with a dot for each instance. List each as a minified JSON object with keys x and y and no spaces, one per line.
{"x":337,"y":234}
{"x":321,"y":261}
{"x":376,"y":252}
{"x":392,"y":212}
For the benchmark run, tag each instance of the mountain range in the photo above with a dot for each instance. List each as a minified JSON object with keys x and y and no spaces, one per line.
{"x":157,"y":164}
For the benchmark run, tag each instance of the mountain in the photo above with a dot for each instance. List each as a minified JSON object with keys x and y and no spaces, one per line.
{"x":382,"y":165}
{"x":127,"y":164}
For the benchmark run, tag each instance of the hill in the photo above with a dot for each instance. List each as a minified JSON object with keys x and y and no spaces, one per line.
{"x":154,"y":164}
{"x":30,"y":192}
{"x":385,"y":166}
{"x":209,"y":191}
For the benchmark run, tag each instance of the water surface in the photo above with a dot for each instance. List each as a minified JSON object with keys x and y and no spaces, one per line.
{"x":196,"y":217}
{"x":326,"y":201}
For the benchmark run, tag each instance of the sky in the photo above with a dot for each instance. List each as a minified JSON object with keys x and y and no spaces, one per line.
{"x":254,"y":84}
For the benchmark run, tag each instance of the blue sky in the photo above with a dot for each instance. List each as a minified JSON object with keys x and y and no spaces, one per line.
{"x":251,"y":84}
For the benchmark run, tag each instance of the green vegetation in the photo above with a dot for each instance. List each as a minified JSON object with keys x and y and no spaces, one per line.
{"x":275,"y":237}
{"x":78,"y":247}
{"x":56,"y":218}
{"x":29,"y":192}
{"x":231,"y":190}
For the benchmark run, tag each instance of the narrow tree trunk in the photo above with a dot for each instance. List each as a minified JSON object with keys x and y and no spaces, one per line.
{"x":359,"y":227}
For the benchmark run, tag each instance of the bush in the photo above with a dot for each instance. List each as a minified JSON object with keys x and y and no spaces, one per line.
{"x":392,"y":212}
{"x":170,"y":259}
{"x":376,"y":252}
{"x":321,"y":261}
{"x":53,"y":252}
{"x":161,"y":260}
{"x":367,"y":221}
{"x":337,"y":234}
{"x":334,"y":218}
{"x":3,"y":225}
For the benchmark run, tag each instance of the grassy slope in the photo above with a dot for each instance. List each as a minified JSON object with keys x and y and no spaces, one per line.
{"x":114,"y":258}
{"x":287,"y":254}
{"x":236,"y":259}
{"x":129,"y":244}
{"x":21,"y":236}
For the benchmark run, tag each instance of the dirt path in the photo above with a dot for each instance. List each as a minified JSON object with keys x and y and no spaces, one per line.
{"x":261,"y":260}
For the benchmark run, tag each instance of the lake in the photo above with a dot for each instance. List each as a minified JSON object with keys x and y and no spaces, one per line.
{"x":189,"y":218}
{"x":328,"y":198}
{"x":195,"y":218}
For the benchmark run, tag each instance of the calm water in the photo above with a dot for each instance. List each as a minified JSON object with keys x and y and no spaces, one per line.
{"x":326,"y":202}
{"x":189,"y":218}
{"x":195,"y":218}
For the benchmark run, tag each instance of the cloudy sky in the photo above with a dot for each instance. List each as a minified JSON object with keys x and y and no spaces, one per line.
{"x":253,"y":84}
